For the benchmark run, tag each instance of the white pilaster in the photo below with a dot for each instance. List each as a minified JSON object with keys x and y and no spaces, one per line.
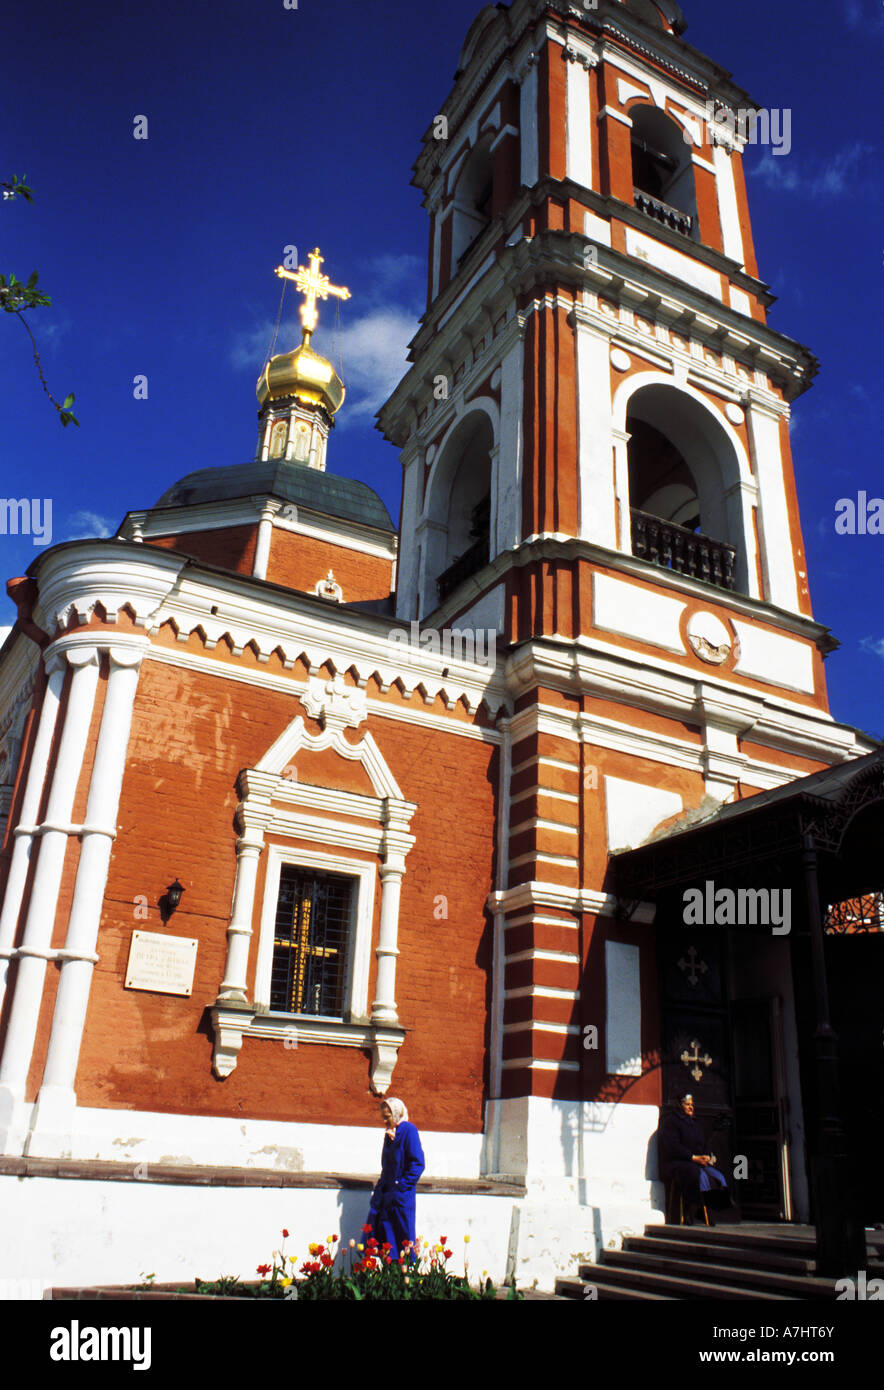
{"x":528,"y":123}
{"x":731,"y":232}
{"x":383,"y":1009}
{"x":35,"y":949}
{"x":262,"y":546}
{"x":579,"y":148}
{"x":249,"y":848}
{"x":508,"y":496}
{"x":24,"y":832}
{"x":598,"y":509}
{"x":56,"y":1102}
{"x":778,"y":563}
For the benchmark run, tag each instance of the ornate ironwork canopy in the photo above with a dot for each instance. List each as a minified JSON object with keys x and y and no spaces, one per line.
{"x":751,"y":842}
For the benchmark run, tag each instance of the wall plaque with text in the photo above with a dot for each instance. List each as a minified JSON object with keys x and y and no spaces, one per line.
{"x":164,"y":964}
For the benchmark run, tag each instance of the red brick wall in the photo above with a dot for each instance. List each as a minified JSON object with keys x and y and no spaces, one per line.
{"x":230,"y":548}
{"x":299,"y":562}
{"x":191,"y":735}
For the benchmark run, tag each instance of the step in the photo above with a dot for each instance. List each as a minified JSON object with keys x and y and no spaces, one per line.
{"x":762,"y":1281}
{"x":799,"y":1245}
{"x":721,"y":1254}
{"x":676,"y":1286}
{"x":576,"y":1289}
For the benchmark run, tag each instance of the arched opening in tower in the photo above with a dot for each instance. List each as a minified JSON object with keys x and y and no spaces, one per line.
{"x":663,"y":171}
{"x":473,"y":199}
{"x":660,"y":482}
{"x":685,"y":510}
{"x":463,"y":506}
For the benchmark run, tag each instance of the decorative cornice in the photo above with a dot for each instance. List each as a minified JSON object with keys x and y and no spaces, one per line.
{"x":160,"y":587}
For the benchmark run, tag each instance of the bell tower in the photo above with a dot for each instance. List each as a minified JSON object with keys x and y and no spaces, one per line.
{"x":594,"y":433}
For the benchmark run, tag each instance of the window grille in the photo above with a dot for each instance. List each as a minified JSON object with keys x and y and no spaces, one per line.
{"x":311,"y":942}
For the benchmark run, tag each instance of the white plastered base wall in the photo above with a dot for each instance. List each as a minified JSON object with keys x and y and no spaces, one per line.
{"x":584,"y":1166}
{"x":67,"y":1231}
{"x":139,"y":1136}
{"x":587,"y":1167}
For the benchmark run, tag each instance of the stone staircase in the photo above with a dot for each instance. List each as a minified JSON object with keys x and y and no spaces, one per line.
{"x":770,"y":1263}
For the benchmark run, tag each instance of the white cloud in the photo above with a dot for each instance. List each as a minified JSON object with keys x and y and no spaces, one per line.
{"x":830,"y":179}
{"x":369,"y":349}
{"x":371,"y":353}
{"x":84,"y":525}
{"x":873,"y":644}
{"x":249,"y":348}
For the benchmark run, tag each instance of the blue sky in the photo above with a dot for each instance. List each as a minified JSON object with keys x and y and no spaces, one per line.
{"x":270,"y":127}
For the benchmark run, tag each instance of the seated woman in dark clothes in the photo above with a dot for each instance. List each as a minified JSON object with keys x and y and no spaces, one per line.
{"x":681,"y":1149}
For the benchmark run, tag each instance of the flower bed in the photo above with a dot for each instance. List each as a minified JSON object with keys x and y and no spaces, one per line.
{"x":354,"y":1272}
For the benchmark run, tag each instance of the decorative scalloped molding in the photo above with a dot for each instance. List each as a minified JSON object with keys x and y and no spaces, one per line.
{"x":159,"y":587}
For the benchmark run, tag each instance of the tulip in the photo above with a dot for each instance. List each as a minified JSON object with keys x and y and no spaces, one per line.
{"x":466,"y":1240}
{"x":360,"y":1247}
{"x":352,"y":1245}
{"x":285,"y":1234}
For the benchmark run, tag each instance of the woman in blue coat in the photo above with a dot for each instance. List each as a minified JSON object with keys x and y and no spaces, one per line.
{"x":392,"y":1211}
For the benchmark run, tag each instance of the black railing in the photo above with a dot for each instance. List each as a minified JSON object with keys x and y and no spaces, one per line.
{"x":687,"y":552}
{"x":472,"y":560}
{"x":663,"y":212}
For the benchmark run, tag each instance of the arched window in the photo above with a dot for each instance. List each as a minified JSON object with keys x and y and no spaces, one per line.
{"x":685,"y":511}
{"x":663,"y":171}
{"x":472,"y":201}
{"x":458,"y":540}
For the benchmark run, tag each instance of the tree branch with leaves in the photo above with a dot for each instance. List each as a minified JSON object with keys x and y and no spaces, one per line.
{"x":16,"y":296}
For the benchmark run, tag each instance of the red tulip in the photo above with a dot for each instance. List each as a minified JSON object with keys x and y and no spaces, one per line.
{"x":285,"y":1234}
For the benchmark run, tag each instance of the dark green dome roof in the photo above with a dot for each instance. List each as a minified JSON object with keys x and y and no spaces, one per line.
{"x":291,"y":482}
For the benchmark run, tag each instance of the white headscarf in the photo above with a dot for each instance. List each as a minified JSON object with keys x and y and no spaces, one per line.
{"x":397,"y":1110}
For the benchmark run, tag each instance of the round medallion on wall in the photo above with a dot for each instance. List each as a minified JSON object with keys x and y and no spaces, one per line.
{"x":734,"y":413}
{"x":620,"y":360}
{"x":709,"y":638}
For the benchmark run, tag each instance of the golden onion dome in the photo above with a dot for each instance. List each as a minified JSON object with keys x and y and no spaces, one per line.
{"x":305,"y":375}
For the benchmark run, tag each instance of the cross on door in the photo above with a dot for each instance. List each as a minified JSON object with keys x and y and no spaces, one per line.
{"x":696,"y":1069}
{"x":693,"y":963}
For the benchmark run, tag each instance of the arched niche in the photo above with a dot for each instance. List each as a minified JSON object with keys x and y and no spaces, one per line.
{"x":685,"y":467}
{"x":457,"y":522}
{"x":663,"y":170}
{"x":473,"y":196}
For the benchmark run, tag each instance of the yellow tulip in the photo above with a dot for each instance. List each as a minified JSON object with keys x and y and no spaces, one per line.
{"x":360,"y":1247}
{"x":466,"y":1240}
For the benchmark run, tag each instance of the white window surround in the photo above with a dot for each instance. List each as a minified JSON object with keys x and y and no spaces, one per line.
{"x":274,"y":804}
{"x":359,"y":952}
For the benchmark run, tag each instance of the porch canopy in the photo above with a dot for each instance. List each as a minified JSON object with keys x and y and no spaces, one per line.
{"x":822,"y":837}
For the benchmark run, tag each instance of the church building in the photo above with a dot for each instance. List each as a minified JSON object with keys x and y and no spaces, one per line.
{"x":530,"y":810}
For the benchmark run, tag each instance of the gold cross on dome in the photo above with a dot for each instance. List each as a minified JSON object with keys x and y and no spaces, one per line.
{"x":310,"y":282}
